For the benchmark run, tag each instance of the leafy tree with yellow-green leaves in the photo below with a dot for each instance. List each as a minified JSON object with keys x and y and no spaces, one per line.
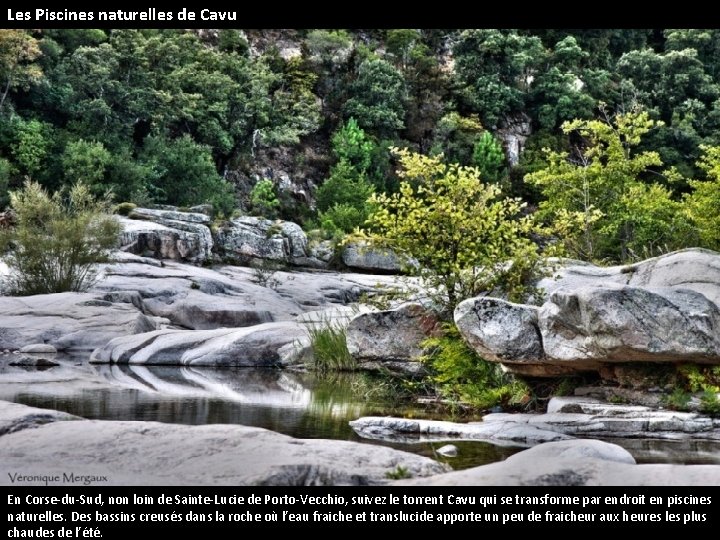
{"x":466,"y":237}
{"x":596,"y":198}
{"x":703,"y":204}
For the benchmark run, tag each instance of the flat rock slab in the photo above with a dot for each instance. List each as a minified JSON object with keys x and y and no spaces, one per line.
{"x":15,"y":417}
{"x":575,"y":463}
{"x":68,"y":321}
{"x":39,"y":348}
{"x":226,"y":296}
{"x":567,"y":418}
{"x":411,"y":430}
{"x":151,"y":453}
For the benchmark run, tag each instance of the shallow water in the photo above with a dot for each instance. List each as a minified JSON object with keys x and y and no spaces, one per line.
{"x":297,"y":404}
{"x":301,"y":405}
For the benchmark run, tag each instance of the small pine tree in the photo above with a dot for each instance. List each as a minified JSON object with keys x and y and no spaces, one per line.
{"x":488,"y":156}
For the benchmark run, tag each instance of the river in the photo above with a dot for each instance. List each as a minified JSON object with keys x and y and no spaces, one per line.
{"x":298,"y":404}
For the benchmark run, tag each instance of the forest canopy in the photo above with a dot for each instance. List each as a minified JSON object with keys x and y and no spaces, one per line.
{"x":611,"y":138}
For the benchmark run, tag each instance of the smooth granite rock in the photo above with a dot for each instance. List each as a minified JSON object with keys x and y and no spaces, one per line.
{"x":152,"y":453}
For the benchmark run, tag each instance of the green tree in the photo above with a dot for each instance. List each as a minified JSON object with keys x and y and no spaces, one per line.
{"x":559,"y":92}
{"x":465,"y":237}
{"x":703,"y":204}
{"x":264,"y":200}
{"x":185,"y":174}
{"x":456,"y":137}
{"x":494,"y":71}
{"x":343,"y":196}
{"x":678,"y":88}
{"x":488,"y":156}
{"x":594,"y":193}
{"x":401,"y":44}
{"x":344,"y":186}
{"x":57,"y":241}
{"x":349,"y":143}
{"x":5,"y":175}
{"x":31,"y":145}
{"x":378,"y":96}
{"x":18,"y":53}
{"x":86,"y":162}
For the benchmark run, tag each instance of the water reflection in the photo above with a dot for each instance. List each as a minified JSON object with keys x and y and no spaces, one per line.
{"x":297,"y":404}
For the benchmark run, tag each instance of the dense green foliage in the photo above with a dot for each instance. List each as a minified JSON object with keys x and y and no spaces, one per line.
{"x":342,"y":199}
{"x":703,"y":204}
{"x":56,"y":240}
{"x":466,"y":237}
{"x":460,"y":374}
{"x":596,"y":199}
{"x":692,"y":379}
{"x":264,"y":199}
{"x":187,"y":117}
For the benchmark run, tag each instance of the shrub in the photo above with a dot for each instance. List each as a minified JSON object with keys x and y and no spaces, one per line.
{"x":184,"y":174}
{"x":461,"y":374}
{"x":264,"y":200}
{"x":57,"y":240}
{"x":710,"y":403}
{"x":678,"y":400}
{"x":342,"y":218}
{"x":398,"y":473}
{"x":125,"y":208}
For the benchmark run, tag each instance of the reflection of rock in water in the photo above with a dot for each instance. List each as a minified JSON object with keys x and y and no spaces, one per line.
{"x":277,"y":400}
{"x":249,"y":386}
{"x":667,"y":451}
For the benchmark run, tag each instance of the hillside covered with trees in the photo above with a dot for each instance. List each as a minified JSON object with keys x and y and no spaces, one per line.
{"x":610,"y":138}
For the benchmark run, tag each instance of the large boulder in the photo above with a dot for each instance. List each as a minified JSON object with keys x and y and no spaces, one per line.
{"x":630,"y":324}
{"x":247,"y":239}
{"x":167,"y":234}
{"x":499,"y":330}
{"x":391,"y":340}
{"x":665,"y":309}
{"x":257,"y":346}
{"x":694,"y":269}
{"x":362,"y":256}
{"x":69,"y":321}
{"x":160,"y":454}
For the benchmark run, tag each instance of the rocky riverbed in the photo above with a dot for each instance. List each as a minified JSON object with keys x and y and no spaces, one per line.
{"x":38,"y":443}
{"x":152,"y":307}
